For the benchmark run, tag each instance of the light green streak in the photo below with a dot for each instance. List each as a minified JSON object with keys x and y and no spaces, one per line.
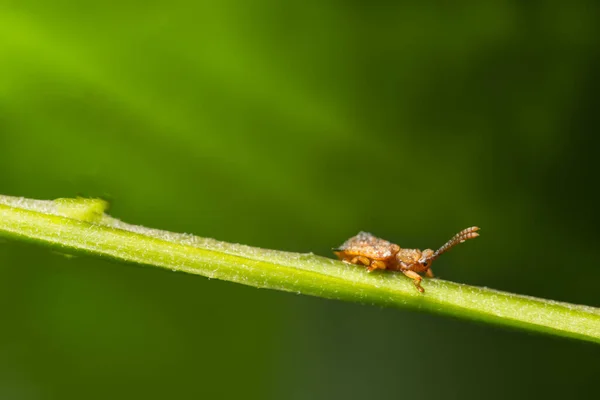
{"x":80,"y":225}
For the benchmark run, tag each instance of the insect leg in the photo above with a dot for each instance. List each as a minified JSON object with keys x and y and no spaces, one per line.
{"x":416,"y":279}
{"x":376,"y":264}
{"x":360,"y":260}
{"x":429,"y":273}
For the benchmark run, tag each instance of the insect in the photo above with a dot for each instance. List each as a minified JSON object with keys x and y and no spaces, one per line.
{"x":376,"y":253}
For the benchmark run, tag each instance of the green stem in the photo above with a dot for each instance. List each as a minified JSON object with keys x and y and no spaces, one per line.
{"x":80,"y":225}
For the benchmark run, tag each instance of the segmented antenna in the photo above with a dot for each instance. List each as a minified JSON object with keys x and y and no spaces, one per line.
{"x":465,"y":234}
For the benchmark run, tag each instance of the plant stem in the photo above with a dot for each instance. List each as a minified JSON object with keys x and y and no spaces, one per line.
{"x":80,"y":225}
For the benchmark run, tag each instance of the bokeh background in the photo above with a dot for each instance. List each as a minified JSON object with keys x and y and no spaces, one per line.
{"x":292,"y":125}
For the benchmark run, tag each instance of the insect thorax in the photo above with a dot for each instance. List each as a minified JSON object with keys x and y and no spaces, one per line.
{"x":409,"y":256}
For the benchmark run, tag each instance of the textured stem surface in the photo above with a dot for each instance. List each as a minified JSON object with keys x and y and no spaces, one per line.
{"x":81,"y":225}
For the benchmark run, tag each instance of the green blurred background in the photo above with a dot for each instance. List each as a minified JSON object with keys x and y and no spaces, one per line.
{"x":292,"y":125}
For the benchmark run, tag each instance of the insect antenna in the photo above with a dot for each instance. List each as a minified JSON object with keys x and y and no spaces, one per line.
{"x":465,"y":234}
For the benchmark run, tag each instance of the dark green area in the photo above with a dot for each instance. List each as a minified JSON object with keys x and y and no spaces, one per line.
{"x":293,"y":125}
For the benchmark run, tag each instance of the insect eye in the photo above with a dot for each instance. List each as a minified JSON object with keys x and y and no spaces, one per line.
{"x":425,"y":264}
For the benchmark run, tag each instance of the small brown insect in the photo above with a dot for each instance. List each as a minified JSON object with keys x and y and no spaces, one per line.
{"x":377,"y":253}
